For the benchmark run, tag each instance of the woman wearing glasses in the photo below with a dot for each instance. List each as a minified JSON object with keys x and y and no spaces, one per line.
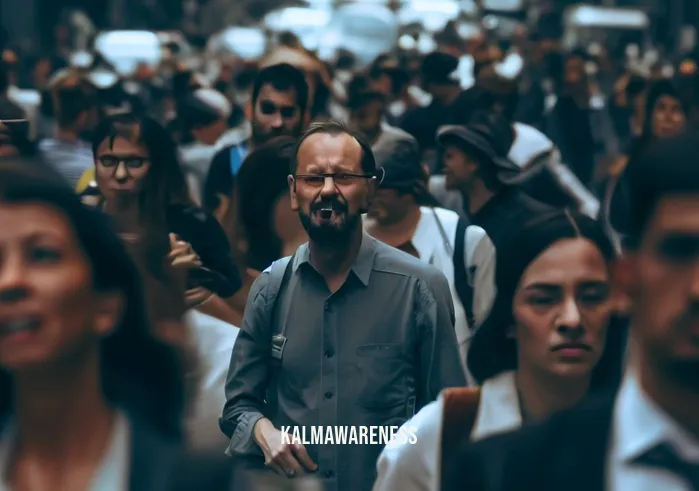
{"x":142,"y":187}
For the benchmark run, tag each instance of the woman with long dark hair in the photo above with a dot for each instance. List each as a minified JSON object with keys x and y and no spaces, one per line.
{"x":89,"y":397}
{"x":544,"y":347}
{"x":142,"y":187}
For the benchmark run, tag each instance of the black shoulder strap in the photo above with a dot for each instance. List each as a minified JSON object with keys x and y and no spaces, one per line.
{"x":461,"y":277}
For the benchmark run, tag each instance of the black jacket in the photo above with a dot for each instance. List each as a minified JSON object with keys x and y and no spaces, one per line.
{"x":566,"y":452}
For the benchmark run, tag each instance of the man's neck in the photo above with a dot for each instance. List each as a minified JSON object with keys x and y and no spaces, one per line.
{"x":678,"y":397}
{"x":67,"y":135}
{"x":399,"y":232}
{"x":477,"y":196}
{"x":447,"y":96}
{"x":541,"y":396}
{"x":335,"y":260}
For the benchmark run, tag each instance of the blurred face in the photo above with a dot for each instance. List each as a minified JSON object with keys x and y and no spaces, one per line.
{"x":49,"y":309}
{"x":367,"y":119}
{"x":330,"y":191}
{"x":668,"y":117}
{"x":460,"y":171}
{"x":662,"y":277}
{"x":561,"y":309}
{"x":574,"y":71}
{"x":276,"y":113}
{"x":390,"y":206}
{"x":121,"y":168}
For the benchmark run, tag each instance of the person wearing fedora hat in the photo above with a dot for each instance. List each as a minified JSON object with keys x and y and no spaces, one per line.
{"x":406,"y":216}
{"x":476,"y":165}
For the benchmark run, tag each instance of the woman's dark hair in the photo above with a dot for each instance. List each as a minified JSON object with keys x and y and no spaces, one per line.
{"x":262,"y":179}
{"x":165,"y":183}
{"x":655,"y":92}
{"x":492,"y":351}
{"x":140,"y":375}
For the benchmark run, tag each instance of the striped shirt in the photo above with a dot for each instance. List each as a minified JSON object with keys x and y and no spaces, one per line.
{"x":70,"y":159}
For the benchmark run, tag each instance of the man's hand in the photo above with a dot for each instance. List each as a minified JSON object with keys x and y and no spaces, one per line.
{"x":181,"y":255}
{"x":287,"y":459}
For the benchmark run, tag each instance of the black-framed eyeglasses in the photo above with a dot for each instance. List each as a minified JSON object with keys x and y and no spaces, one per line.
{"x":131,"y":162}
{"x":339,"y":178}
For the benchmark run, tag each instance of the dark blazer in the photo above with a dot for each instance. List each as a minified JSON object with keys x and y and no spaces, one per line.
{"x":566,"y":452}
{"x":160,"y":464}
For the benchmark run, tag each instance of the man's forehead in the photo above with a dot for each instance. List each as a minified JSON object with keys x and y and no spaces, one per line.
{"x":269,"y":92}
{"x":338,"y":147}
{"x":678,"y":214}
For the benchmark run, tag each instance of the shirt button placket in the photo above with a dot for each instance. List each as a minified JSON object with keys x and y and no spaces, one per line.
{"x":329,"y":396}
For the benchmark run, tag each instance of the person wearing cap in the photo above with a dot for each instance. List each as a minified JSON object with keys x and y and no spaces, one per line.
{"x":476,"y":165}
{"x":439,"y":72}
{"x":74,"y":112}
{"x":278,"y":106}
{"x":205,"y":111}
{"x":406,"y":216}
{"x":644,"y":436}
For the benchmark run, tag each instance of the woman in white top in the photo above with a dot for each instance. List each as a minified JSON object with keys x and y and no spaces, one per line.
{"x":90,"y":400}
{"x":540,"y":349}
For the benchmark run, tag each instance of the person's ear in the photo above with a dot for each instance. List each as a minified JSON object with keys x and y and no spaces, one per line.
{"x":109,"y":309}
{"x":292,"y":192}
{"x":371,"y":192}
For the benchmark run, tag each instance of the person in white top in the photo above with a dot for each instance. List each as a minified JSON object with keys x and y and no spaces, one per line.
{"x":404,"y":215}
{"x":213,"y":340}
{"x":84,"y":384}
{"x":539,"y":351}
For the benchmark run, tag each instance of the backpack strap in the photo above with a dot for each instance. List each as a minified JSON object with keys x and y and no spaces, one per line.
{"x":279,"y":272}
{"x":458,"y":418}
{"x":462,"y":280}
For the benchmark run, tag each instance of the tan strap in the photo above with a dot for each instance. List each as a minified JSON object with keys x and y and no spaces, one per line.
{"x":458,"y":418}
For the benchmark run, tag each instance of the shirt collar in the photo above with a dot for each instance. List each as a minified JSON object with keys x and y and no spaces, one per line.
{"x":640,"y":424}
{"x":499,"y":409}
{"x":363,"y":264}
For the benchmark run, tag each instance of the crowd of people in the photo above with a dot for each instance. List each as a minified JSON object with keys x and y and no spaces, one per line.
{"x":507,"y":271}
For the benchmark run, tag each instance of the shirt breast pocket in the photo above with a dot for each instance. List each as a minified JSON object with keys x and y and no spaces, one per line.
{"x":380,"y":382}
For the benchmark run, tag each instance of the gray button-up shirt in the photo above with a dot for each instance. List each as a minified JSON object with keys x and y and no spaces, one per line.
{"x":371,"y":354}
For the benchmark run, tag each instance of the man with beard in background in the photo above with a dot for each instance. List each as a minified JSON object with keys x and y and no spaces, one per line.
{"x":278,"y":107}
{"x":360,"y":333}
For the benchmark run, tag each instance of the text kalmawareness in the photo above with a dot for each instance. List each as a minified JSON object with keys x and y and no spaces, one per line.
{"x":348,"y":435}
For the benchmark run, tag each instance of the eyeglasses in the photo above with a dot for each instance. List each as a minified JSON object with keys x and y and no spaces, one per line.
{"x":340,"y":179}
{"x":131,"y":162}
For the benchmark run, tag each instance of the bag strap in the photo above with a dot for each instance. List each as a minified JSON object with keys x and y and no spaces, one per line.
{"x":462,"y":280}
{"x":458,"y":419}
{"x":279,"y":272}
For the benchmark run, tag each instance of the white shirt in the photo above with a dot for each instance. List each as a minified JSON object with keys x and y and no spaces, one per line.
{"x":638,"y":425}
{"x":479,"y":252}
{"x":112,"y":474}
{"x":214,"y":340}
{"x":405,"y":467}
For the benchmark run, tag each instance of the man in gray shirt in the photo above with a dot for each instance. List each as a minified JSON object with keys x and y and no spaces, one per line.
{"x":348,"y":332}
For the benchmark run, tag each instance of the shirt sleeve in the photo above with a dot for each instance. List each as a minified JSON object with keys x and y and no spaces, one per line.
{"x":413,"y":467}
{"x":246,"y":383}
{"x":209,"y":241}
{"x":440,"y":363}
{"x":483,"y":259}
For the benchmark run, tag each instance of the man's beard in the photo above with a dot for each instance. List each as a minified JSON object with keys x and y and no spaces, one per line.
{"x":260,"y":136}
{"x":330,"y":234}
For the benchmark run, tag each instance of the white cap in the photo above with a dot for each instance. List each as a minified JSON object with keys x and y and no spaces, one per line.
{"x":214,"y":101}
